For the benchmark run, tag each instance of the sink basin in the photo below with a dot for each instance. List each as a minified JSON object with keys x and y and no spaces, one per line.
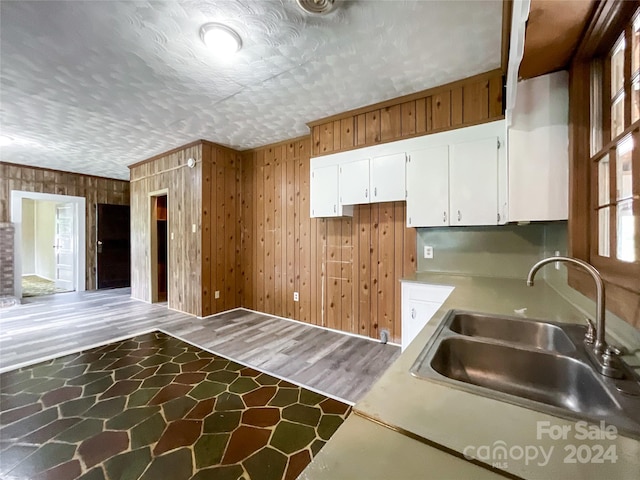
{"x":543,"y":366}
{"x":553,"y":380}
{"x":539,"y":335}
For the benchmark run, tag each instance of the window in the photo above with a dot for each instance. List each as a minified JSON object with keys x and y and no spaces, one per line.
{"x":604,"y":135}
{"x":614,"y":148}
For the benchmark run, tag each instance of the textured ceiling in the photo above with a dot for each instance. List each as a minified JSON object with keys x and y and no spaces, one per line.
{"x":93,"y":86}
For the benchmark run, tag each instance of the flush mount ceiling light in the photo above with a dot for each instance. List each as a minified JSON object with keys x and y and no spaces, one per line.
{"x":317,"y":7}
{"x":221,"y":39}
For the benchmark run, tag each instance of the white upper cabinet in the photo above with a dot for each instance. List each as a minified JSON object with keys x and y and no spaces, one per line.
{"x":428,"y":187}
{"x":460,"y":180}
{"x":388,"y":177}
{"x":439,"y":175}
{"x":354,"y":182}
{"x":473,"y":182}
{"x":539,"y":149}
{"x":324,"y":193}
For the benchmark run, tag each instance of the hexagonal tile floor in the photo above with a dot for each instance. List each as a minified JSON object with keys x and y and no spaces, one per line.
{"x":154,"y":407}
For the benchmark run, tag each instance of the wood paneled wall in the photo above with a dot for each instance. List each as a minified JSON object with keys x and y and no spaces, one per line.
{"x":346,"y":270}
{"x":94,"y":189}
{"x":463,"y":103}
{"x":221,"y":237}
{"x":207,"y":196}
{"x":184,"y":209}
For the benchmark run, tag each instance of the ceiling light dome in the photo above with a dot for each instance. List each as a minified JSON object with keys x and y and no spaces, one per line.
{"x":221,"y":39}
{"x":317,"y":7}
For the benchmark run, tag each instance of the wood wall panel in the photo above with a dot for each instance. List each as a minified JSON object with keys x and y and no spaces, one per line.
{"x":207,"y":196}
{"x":184,"y":209}
{"x":94,"y":189}
{"x":346,"y":270}
{"x":466,"y":102}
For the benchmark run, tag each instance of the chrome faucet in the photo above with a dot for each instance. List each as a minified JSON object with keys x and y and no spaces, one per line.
{"x":604,"y":356}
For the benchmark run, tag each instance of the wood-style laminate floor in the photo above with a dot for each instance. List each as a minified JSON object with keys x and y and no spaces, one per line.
{"x":339,"y":365}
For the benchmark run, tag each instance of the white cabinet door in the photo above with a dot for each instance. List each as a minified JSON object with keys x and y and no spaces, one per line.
{"x":418,"y":315}
{"x":473,"y":182}
{"x":354,"y":182}
{"x":428,"y":187}
{"x":324,"y":191}
{"x":388,"y":178}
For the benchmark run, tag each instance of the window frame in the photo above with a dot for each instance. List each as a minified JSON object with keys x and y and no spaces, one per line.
{"x":609,"y":20}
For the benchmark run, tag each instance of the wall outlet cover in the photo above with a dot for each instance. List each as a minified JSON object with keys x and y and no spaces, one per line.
{"x":296,"y":297}
{"x":217,"y":294}
{"x":428,"y":251}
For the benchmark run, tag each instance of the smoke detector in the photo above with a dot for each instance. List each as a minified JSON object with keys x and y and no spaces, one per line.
{"x":317,"y":7}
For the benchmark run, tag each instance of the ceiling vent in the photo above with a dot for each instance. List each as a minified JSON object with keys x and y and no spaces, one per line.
{"x":317,"y":7}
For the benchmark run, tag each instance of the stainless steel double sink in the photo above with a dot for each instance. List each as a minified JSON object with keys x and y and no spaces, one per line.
{"x":537,"y":364}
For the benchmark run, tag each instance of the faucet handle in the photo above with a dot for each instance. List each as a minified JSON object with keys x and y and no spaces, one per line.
{"x":590,"y":337}
{"x":613,"y":350}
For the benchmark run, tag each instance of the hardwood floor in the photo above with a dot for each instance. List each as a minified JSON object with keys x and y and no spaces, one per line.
{"x":337,"y":364}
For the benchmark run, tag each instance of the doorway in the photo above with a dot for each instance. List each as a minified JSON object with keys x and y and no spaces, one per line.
{"x":159,"y":251}
{"x":49,"y":243}
{"x":113,"y":250}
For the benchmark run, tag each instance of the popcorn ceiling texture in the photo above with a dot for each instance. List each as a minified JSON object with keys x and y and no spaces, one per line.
{"x":93,"y":86}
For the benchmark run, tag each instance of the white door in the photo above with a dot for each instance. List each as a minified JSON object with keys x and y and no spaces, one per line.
{"x":388,"y":178}
{"x":428,"y":187}
{"x":473,"y":182}
{"x":354,"y":182}
{"x":64,"y":246}
{"x":324,"y":192}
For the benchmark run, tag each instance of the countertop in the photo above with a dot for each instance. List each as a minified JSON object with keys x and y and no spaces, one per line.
{"x":461,"y":422}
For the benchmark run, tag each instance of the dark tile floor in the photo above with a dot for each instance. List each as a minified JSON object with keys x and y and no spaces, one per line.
{"x":153,"y":407}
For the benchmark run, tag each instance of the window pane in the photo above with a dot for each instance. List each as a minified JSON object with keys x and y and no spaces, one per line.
{"x":635,"y":100}
{"x":603,"y":181}
{"x":617,"y":117}
{"x":623,"y":168}
{"x":625,"y":232}
{"x":603,"y":232}
{"x":596,"y":107}
{"x":617,"y":67}
{"x":635,"y":39}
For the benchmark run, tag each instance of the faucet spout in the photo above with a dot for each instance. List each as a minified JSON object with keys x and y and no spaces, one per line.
{"x":600,"y":344}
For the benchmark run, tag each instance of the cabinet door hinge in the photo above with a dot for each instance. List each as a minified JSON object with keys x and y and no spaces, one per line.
{"x":498,"y":144}
{"x":498,"y":217}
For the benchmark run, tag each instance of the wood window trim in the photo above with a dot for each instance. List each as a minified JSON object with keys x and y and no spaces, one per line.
{"x":608,"y":21}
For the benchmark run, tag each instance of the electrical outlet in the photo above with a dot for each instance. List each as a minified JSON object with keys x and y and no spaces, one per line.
{"x":193,"y":228}
{"x":296,"y":297}
{"x":171,"y":235}
{"x":217,"y":294}
{"x":428,"y":251}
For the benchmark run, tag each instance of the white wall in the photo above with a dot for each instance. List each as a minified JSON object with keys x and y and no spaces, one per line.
{"x":27,"y":246}
{"x":45,"y":220}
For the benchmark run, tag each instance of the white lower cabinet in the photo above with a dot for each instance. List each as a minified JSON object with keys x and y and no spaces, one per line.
{"x":420,"y":302}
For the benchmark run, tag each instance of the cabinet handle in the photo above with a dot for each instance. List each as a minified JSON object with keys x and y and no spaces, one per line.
{"x":375,"y":192}
{"x":498,"y":218}
{"x":413,"y":313}
{"x":444,"y":217}
{"x":459,"y":215}
{"x":334,"y":208}
{"x":366,"y":193}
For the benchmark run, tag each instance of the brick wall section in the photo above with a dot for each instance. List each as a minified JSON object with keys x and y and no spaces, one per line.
{"x":6,"y":260}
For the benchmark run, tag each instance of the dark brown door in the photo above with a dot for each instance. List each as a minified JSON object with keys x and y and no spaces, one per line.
{"x":114,"y":246}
